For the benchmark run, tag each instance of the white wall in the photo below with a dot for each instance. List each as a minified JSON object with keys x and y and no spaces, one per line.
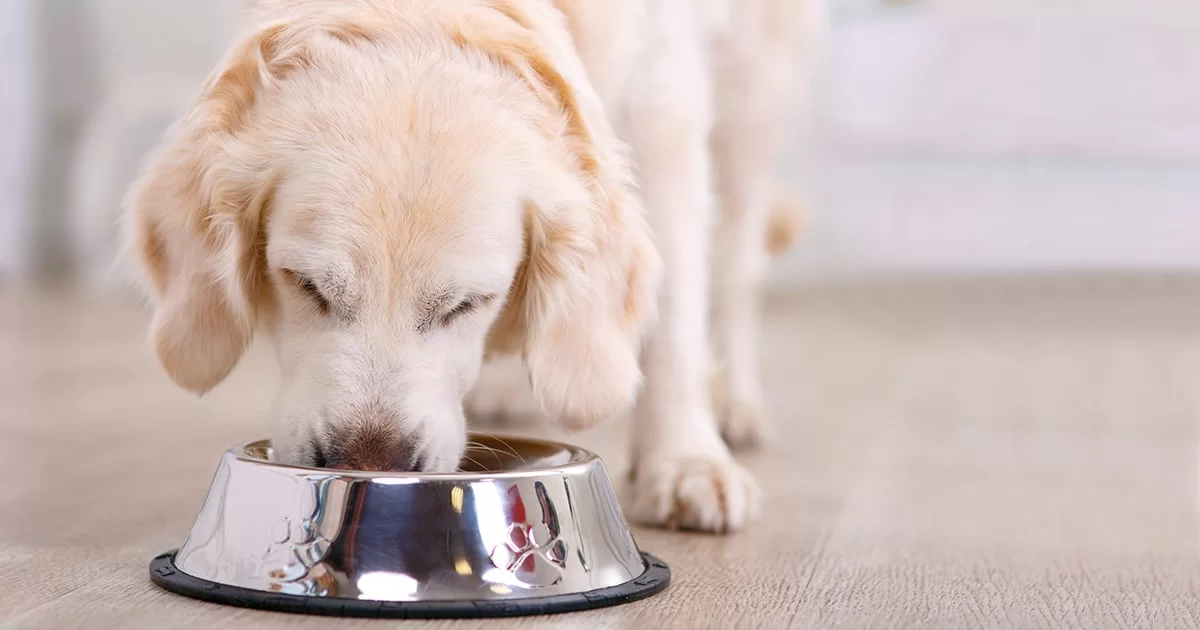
{"x":972,"y":135}
{"x":65,"y":62}
{"x":17,"y":124}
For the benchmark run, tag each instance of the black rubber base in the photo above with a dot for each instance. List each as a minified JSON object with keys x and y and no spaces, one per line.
{"x":164,"y":573}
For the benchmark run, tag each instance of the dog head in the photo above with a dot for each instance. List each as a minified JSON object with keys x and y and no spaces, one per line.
{"x":390,"y":197}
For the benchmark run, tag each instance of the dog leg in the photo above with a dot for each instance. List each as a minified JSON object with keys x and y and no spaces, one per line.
{"x":683,"y":474}
{"x":502,"y":398}
{"x":755,"y":63}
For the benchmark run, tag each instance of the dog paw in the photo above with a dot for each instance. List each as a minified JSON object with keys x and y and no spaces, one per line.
{"x":741,"y":419}
{"x":703,"y":493}
{"x":743,"y":425}
{"x":502,"y":396}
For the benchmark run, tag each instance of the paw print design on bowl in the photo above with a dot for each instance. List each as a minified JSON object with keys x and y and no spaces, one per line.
{"x":304,"y":549}
{"x":532,"y":552}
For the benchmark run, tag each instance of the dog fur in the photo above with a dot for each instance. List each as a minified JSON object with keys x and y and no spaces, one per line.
{"x":393,"y":189}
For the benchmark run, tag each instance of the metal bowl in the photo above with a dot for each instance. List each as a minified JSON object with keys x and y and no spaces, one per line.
{"x":529,"y":527}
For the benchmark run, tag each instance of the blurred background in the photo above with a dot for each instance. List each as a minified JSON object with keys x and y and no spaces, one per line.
{"x":982,"y":357}
{"x":941,"y":136}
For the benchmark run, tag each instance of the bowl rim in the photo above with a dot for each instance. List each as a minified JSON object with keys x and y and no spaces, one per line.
{"x":581,"y":460}
{"x":655,"y":578}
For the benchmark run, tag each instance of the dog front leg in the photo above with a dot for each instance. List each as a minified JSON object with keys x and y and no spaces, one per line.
{"x":683,"y":474}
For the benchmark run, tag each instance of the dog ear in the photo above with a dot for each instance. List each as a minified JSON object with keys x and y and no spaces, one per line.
{"x":194,"y":217}
{"x":586,"y":290}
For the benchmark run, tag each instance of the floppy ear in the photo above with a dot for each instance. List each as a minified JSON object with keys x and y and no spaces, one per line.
{"x":586,"y":290}
{"x":193,"y":220}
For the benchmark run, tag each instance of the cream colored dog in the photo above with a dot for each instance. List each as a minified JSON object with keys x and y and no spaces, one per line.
{"x":393,"y":188}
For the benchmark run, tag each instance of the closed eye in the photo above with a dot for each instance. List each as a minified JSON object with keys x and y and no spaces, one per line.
{"x":465,"y":307}
{"x":306,"y":285}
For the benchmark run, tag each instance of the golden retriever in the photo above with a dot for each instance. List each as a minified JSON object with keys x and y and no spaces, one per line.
{"x":393,"y":189}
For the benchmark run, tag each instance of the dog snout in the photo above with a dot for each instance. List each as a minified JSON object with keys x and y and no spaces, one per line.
{"x":371,"y":449}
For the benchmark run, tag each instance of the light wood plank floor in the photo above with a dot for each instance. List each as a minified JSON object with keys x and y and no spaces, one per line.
{"x":1016,"y":454}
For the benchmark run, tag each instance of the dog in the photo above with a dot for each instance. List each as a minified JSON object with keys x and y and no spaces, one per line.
{"x":395,"y":189}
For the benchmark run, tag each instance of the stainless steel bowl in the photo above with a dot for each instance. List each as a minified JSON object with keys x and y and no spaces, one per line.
{"x":529,"y":527}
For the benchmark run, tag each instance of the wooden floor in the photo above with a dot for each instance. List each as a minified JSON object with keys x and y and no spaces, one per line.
{"x":1016,"y":454}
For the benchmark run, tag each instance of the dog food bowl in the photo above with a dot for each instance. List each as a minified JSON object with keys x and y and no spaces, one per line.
{"x":531,"y":527}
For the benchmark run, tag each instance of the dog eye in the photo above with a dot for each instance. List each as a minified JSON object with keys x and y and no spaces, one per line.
{"x":309,"y":287}
{"x":464,"y":307}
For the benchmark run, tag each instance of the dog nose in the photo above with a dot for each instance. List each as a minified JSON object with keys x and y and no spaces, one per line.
{"x":371,"y":450}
